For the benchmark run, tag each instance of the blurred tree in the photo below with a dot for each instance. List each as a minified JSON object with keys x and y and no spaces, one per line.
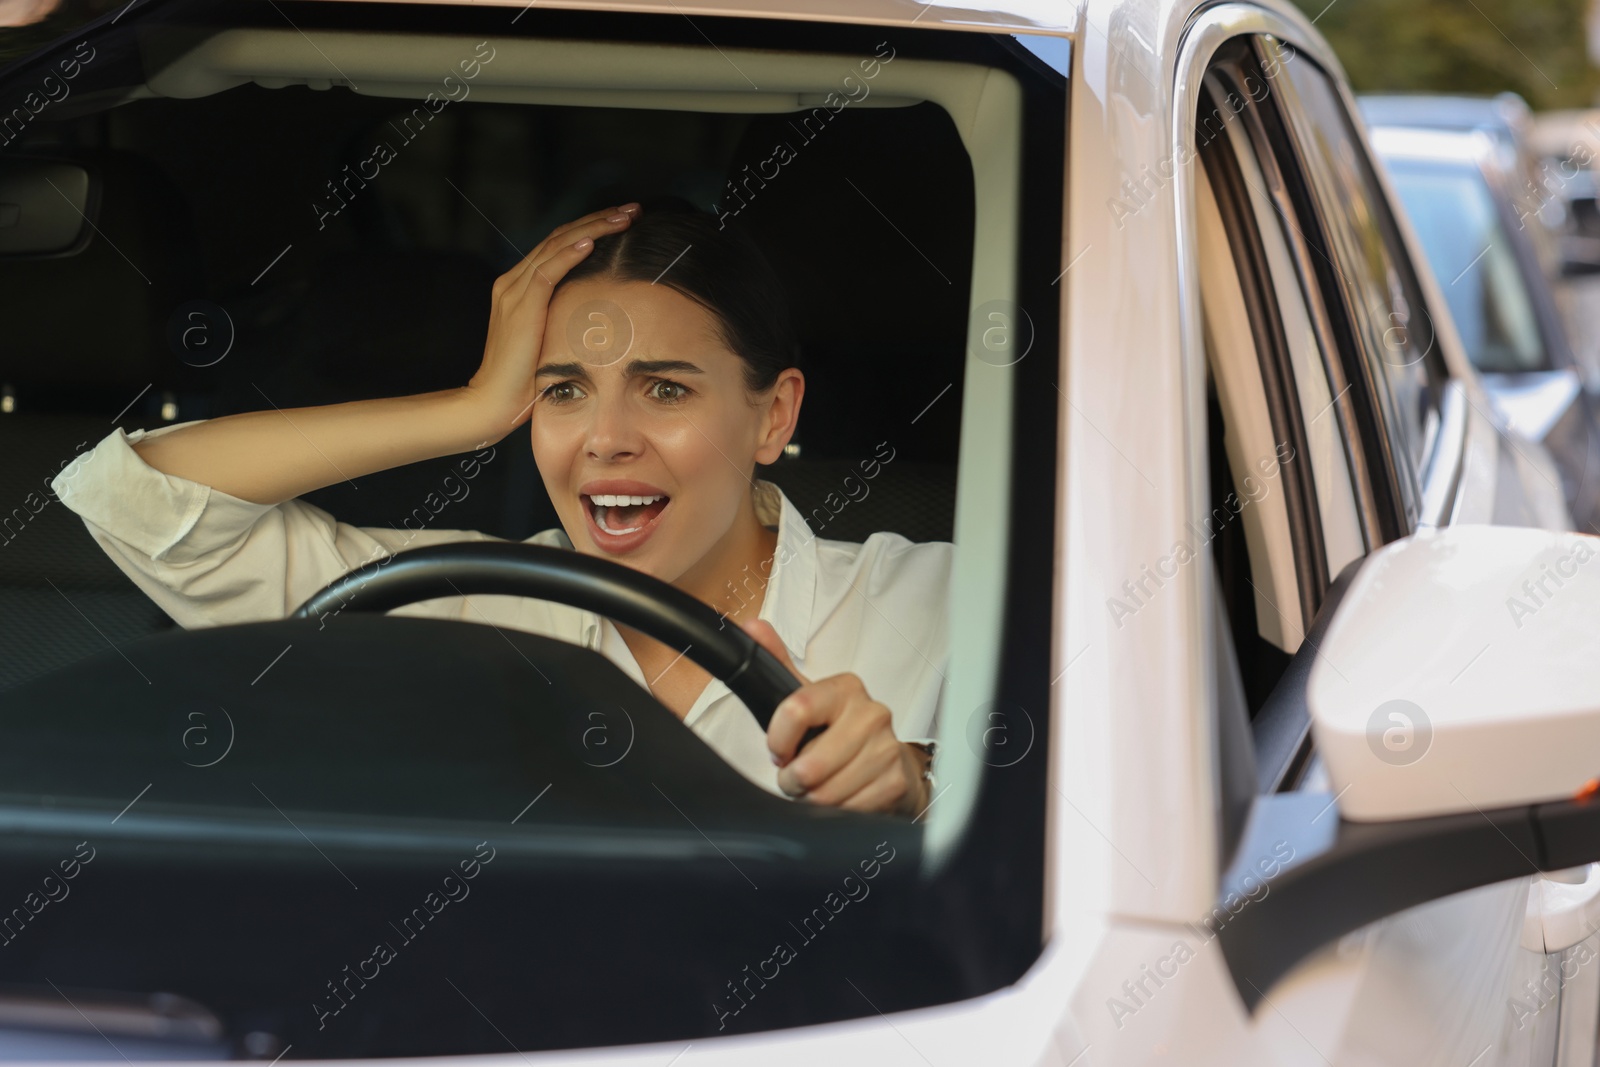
{"x":1534,"y":47}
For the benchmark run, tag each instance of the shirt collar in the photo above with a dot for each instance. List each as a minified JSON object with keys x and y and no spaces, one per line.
{"x":791,"y":583}
{"x":792,"y":587}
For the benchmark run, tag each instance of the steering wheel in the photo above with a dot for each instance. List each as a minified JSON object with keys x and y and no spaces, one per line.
{"x":618,"y":592}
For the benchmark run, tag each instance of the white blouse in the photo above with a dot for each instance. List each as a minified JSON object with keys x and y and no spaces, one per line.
{"x":877,"y":609}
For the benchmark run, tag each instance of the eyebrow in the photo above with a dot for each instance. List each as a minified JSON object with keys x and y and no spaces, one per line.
{"x":634,"y":368}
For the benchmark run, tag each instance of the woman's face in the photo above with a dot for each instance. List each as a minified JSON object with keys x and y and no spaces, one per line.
{"x":643,"y":430}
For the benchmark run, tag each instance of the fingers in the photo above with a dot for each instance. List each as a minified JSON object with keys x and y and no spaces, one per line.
{"x":815,"y":704}
{"x":899,"y":790}
{"x":549,"y":263}
{"x":557,"y":235}
{"x":857,"y":760}
{"x":886,"y":792}
{"x":546,"y":273}
{"x":870,"y":777}
{"x":529,"y":293}
{"x":561,"y":240}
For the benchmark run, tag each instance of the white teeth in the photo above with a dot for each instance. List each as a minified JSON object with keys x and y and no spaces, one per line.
{"x":604,"y":501}
{"x":610,"y":500}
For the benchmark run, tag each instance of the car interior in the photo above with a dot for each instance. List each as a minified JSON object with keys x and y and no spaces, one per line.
{"x":393,"y":299}
{"x":208,"y":160}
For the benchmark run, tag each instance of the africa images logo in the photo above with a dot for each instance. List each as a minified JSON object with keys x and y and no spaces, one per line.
{"x":453,"y":889}
{"x":1539,"y":591}
{"x":1399,"y":732}
{"x":854,"y":887}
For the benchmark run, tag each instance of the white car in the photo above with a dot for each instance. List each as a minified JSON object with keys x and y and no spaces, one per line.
{"x":1272,"y":674}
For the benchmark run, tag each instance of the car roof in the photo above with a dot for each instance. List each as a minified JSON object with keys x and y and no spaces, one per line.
{"x":1467,"y":148}
{"x":1559,"y":133}
{"x":1505,"y":111}
{"x":983,"y":16}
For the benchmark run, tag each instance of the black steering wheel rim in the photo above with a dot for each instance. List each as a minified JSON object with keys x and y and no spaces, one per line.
{"x":618,"y":592}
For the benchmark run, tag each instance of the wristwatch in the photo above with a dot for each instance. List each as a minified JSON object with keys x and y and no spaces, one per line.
{"x":932,"y":749}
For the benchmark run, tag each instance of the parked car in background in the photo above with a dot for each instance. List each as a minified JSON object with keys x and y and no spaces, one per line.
{"x":1544,"y":206}
{"x":1567,"y":144}
{"x":1505,"y":118}
{"x":1241,"y":761}
{"x":1495,"y":265}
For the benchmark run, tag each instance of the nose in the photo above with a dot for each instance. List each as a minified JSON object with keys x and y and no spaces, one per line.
{"x":613,"y":433}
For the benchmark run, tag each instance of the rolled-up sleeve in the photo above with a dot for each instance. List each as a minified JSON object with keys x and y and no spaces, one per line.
{"x":208,"y":558}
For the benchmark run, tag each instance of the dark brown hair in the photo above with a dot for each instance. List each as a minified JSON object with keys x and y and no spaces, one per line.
{"x":722,"y":269}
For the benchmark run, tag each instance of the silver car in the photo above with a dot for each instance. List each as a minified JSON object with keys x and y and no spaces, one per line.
{"x":1493,"y":260}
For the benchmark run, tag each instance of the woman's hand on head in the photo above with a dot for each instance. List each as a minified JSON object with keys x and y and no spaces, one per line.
{"x":857,"y":762}
{"x":502,"y":391}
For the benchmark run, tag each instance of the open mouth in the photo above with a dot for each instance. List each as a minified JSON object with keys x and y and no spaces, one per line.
{"x":621,"y":516}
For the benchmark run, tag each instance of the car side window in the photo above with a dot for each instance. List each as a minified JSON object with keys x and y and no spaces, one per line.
{"x":1276,"y":440}
{"x":1375,"y":300}
{"x":1318,"y":396}
{"x":1270,"y":316}
{"x":1248,"y":526}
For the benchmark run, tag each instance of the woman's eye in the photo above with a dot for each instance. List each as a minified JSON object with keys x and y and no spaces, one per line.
{"x":669,"y":392}
{"x":561,"y":392}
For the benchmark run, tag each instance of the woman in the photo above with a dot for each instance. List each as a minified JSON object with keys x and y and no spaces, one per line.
{"x":651,"y":356}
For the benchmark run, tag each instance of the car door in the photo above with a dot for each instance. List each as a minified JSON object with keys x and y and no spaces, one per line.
{"x":1318,"y":322}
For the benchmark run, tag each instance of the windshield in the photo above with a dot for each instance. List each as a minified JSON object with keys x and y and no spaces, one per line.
{"x":1454,"y":214}
{"x":304,"y":234}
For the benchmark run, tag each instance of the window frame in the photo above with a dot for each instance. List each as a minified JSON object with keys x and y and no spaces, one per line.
{"x":1258,"y":286}
{"x":1281,"y":730}
{"x":1401,"y":509}
{"x":1274,"y":751}
{"x":1338,"y":328}
{"x":1243,"y":737}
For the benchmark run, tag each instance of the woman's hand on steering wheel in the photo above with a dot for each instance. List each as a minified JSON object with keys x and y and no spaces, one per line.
{"x":503,"y":388}
{"x":857,"y":762}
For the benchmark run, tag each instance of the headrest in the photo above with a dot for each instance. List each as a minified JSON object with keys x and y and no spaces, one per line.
{"x":878,"y":262}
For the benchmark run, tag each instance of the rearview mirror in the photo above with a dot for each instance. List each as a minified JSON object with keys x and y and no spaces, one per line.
{"x":45,"y":208}
{"x":1461,"y":673}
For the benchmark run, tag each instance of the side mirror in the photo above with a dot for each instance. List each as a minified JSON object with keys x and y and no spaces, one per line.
{"x":1533,"y":403}
{"x":1452,"y":690}
{"x":1461,"y":674}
